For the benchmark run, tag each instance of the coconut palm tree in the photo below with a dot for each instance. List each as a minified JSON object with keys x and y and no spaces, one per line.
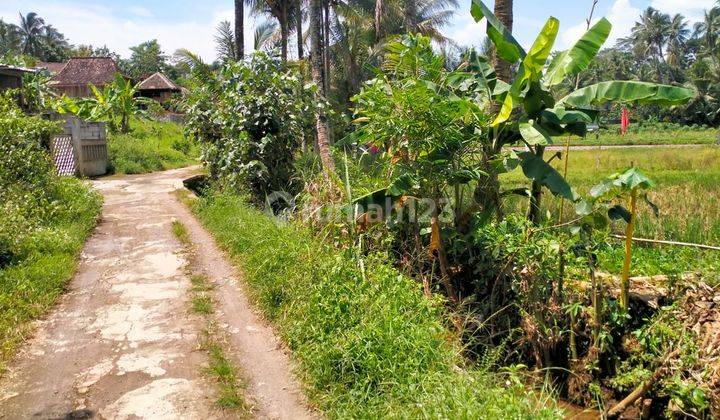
{"x":503,"y":10}
{"x":283,"y":11}
{"x":265,"y":34}
{"x":31,"y":29}
{"x":707,"y":32}
{"x":239,"y":29}
{"x":298,"y":28}
{"x":649,"y":35}
{"x":10,"y":39}
{"x":677,"y":37}
{"x":317,"y":69}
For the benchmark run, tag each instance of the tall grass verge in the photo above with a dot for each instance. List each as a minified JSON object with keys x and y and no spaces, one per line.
{"x":150,"y":146}
{"x":30,"y":284}
{"x":369,"y":345}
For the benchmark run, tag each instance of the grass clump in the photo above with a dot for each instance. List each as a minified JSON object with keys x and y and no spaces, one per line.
{"x":181,"y":233}
{"x":224,"y":372}
{"x":202,"y":304}
{"x":150,"y":146}
{"x":369,"y":344}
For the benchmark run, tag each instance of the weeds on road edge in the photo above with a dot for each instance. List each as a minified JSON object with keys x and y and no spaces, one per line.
{"x":220,"y":367}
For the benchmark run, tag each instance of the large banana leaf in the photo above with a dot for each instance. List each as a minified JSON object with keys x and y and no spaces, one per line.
{"x":627,"y":92}
{"x":507,"y":46}
{"x":534,"y":134}
{"x":535,"y":168}
{"x":531,"y":67}
{"x":576,"y":59}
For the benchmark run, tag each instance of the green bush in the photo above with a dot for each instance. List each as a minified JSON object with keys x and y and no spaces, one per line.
{"x":249,"y":121}
{"x":370,"y":345}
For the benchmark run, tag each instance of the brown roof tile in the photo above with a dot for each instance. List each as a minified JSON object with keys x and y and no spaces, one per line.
{"x":158,"y":81}
{"x":84,"y":70}
{"x":53,"y":68}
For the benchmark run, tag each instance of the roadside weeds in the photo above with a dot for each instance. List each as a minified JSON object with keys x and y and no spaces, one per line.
{"x":227,"y":376}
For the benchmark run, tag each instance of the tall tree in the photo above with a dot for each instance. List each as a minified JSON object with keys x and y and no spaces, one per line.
{"x":298,"y":28}
{"x":678,"y":33}
{"x":239,"y":29}
{"x":225,"y":42}
{"x":317,"y":69}
{"x":32,"y":30}
{"x":410,"y":15}
{"x":10,"y":38}
{"x":147,"y":58}
{"x":504,"y":12}
{"x":283,"y":11}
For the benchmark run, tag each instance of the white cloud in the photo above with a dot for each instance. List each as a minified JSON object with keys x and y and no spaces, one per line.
{"x":691,"y":9}
{"x":622,"y":15}
{"x":97,"y":25}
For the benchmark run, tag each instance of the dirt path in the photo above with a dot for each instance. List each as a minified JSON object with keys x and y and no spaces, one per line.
{"x":122,"y":343}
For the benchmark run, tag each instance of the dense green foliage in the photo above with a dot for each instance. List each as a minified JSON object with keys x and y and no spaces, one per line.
{"x":250,"y":119}
{"x":369,"y":344}
{"x":150,"y":146}
{"x":45,"y":220}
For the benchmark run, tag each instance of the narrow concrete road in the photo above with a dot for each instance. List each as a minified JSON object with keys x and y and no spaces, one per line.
{"x":123,"y":344}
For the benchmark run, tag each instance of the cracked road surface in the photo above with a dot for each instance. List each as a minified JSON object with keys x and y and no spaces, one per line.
{"x":122,"y":342}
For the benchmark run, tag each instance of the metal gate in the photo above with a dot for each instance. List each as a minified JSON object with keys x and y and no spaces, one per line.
{"x":64,"y":155}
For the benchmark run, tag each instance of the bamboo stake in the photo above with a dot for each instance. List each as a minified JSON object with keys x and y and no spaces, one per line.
{"x":625,"y":281}
{"x":663,"y":242}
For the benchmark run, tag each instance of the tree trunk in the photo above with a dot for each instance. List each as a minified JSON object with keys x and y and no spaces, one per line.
{"x":316,"y":60}
{"x":326,"y":49}
{"x":504,"y":12}
{"x":283,"y":32}
{"x":298,"y":29}
{"x":409,"y":15}
{"x":239,"y":29}
{"x":378,"y":19}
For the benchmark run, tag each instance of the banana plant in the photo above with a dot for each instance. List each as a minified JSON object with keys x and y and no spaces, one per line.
{"x":528,"y":112}
{"x":617,"y":186}
{"x":115,"y":104}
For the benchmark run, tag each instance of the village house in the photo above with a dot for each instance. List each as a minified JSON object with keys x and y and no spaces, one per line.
{"x":158,"y":87}
{"x":75,"y":77}
{"x":11,"y":76}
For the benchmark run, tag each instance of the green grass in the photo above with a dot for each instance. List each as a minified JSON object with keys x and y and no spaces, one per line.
{"x":368,"y":343}
{"x":645,"y":136}
{"x":687,"y":192}
{"x":150,"y":146}
{"x":229,"y":382}
{"x":181,"y":233}
{"x":202,"y":304}
{"x":30,"y":286}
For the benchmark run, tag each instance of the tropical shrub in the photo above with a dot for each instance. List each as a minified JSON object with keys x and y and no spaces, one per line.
{"x":250,"y":119}
{"x":26,"y":174}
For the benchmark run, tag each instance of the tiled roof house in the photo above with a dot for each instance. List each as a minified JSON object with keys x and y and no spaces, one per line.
{"x":78,"y":73}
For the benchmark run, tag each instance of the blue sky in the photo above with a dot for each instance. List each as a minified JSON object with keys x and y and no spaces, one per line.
{"x":120,"y":24}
